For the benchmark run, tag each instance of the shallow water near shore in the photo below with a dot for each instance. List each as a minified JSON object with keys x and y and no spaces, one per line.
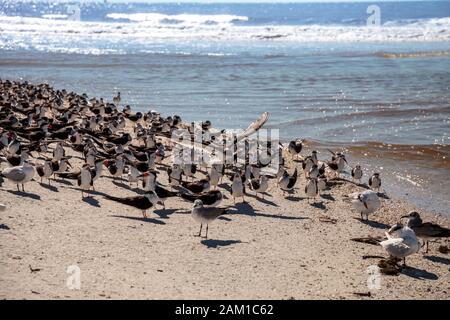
{"x":390,"y":119}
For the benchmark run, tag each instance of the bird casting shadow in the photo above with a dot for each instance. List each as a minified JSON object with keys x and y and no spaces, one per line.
{"x":49,"y":187}
{"x":374,"y":224}
{"x":246,"y":209}
{"x":25,"y":194}
{"x":151,"y":220}
{"x":210,"y":243}
{"x":4,"y":227}
{"x":91,"y":201}
{"x":438,"y":259}
{"x":419,"y":274}
{"x":164,"y":214}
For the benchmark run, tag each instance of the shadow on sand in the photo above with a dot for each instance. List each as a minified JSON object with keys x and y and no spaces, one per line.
{"x":25,"y":194}
{"x":210,"y":243}
{"x":150,"y":220}
{"x":419,"y":274}
{"x":49,"y":187}
{"x":438,"y":259}
{"x":374,"y":224}
{"x":246,"y":209}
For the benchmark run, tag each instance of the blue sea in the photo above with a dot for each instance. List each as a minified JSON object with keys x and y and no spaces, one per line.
{"x":331,"y":73}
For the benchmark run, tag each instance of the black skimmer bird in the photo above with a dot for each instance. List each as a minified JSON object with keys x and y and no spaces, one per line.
{"x":307,"y":164}
{"x":401,"y":242}
{"x":425,"y":230}
{"x":211,"y":198}
{"x":19,"y":174}
{"x":287,"y":182}
{"x":143,"y":203}
{"x":205,"y":215}
{"x":357,"y":173}
{"x":16,"y":160}
{"x":375,"y":181}
{"x":115,"y":167}
{"x":163,"y":194}
{"x":197,"y":186}
{"x":295,"y":147}
{"x":259,"y":185}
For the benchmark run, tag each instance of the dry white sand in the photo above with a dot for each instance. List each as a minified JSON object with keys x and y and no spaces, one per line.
{"x":275,"y":248}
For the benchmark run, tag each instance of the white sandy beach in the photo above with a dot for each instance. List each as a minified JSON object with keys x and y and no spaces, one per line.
{"x":264,"y":249}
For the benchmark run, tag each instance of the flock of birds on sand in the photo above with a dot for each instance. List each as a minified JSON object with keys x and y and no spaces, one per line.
{"x":38,"y":125}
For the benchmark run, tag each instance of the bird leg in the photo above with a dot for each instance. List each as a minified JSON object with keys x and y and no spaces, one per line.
{"x":18,"y":188}
{"x":206,"y":236}
{"x":23,"y":188}
{"x":426,"y":251}
{"x":200,"y":232}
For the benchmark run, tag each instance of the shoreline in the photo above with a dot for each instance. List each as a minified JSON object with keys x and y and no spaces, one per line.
{"x":273,"y":248}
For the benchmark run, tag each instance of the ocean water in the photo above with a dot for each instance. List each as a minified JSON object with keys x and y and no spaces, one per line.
{"x":381,"y":93}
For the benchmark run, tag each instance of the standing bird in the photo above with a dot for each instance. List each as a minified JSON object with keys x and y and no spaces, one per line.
{"x":287,"y":182}
{"x":311,"y":189}
{"x":375,"y":181}
{"x":19,"y":174}
{"x":144,"y":202}
{"x":337,"y":163}
{"x":366,"y":202}
{"x":237,"y":187}
{"x":59,"y":152}
{"x":321,"y":183}
{"x":175,"y":175}
{"x":117,"y":99}
{"x":259,"y":185}
{"x":401,"y":242}
{"x":205,"y":215}
{"x":84,"y":179}
{"x":357,"y":173}
{"x":149,"y":180}
{"x":45,"y":170}
{"x":425,"y":231}
{"x":295,"y":147}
